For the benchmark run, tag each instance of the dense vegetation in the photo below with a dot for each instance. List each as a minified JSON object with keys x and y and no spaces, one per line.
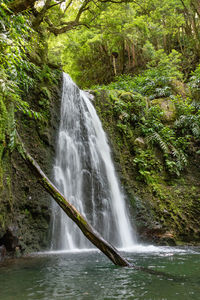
{"x":132,"y":31}
{"x":161,"y":115}
{"x":156,"y":144}
{"x":27,"y":93}
{"x":21,"y":72}
{"x":143,"y":56}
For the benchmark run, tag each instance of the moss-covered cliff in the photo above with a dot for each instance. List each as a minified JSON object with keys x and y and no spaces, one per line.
{"x":29,"y":104}
{"x":24,"y":206}
{"x":158,"y":162}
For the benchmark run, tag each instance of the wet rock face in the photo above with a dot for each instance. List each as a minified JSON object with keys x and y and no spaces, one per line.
{"x":24,"y":205}
{"x":2,"y":252}
{"x":9,"y":241}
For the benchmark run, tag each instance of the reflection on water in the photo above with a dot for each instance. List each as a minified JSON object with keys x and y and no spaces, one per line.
{"x":90,"y":275}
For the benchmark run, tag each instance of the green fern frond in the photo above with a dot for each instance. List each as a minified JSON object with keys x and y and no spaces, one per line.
{"x":196,"y":130}
{"x":157,"y":139}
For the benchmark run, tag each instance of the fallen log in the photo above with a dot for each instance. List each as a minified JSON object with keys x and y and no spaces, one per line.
{"x":91,"y":234}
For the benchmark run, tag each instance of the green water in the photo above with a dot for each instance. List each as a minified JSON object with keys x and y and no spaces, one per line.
{"x":90,"y":275}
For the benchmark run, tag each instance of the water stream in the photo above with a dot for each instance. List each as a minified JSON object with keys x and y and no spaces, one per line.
{"x":85,"y":174}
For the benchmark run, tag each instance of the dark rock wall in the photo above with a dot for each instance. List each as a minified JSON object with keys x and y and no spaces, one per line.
{"x":24,"y":205}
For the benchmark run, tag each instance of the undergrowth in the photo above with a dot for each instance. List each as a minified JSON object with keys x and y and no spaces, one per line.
{"x":166,"y":144}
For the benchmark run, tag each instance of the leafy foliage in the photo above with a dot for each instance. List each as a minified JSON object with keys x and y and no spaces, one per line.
{"x":147,"y":165}
{"x":122,"y":38}
{"x":19,"y":75}
{"x":132,"y":31}
{"x":156,"y":81}
{"x":138,"y":117}
{"x":194,"y":83}
{"x":188,"y":120}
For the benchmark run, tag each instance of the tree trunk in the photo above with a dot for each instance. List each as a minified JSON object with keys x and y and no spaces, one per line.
{"x":114,"y":66}
{"x":39,"y":19}
{"x":133,"y":56}
{"x":91,"y":234}
{"x":129,"y":56}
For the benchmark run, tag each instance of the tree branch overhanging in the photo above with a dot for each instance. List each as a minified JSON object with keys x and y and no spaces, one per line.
{"x":57,"y":3}
{"x":19,"y":6}
{"x":38,"y":20}
{"x":71,"y":24}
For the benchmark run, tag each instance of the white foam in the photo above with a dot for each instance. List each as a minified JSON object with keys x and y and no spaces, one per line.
{"x":137,"y":249}
{"x":142,"y":248}
{"x":73,"y":251}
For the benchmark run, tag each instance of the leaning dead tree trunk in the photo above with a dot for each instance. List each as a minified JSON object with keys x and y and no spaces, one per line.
{"x":91,"y":234}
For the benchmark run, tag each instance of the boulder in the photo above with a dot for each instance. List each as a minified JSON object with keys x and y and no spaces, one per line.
{"x":126,"y":96}
{"x":179,"y":88}
{"x":168,"y":108}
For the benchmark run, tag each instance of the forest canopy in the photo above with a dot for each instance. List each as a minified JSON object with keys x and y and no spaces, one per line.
{"x":88,"y":33}
{"x":135,"y":31}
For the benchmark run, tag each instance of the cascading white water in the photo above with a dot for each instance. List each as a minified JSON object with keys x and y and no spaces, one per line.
{"x":84,"y":173}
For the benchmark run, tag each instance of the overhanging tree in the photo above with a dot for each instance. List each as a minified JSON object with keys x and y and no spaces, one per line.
{"x":75,"y":8}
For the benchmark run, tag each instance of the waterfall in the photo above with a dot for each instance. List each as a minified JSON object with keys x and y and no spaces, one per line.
{"x":84,"y":173}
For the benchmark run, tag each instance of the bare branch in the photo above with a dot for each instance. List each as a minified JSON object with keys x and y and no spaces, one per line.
{"x":69,"y":26}
{"x":38,"y":20}
{"x":67,"y":6}
{"x":83,"y":8}
{"x":55,"y":4}
{"x":196,"y":6}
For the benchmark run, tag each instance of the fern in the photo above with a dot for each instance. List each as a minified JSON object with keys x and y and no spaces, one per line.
{"x":180,"y":157}
{"x":189,"y":124}
{"x":155,"y":138}
{"x":196,"y":130}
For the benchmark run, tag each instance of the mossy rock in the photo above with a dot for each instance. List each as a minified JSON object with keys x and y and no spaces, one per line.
{"x":168,"y":108}
{"x":179,"y":88}
{"x":126,"y":96}
{"x":114,"y":95}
